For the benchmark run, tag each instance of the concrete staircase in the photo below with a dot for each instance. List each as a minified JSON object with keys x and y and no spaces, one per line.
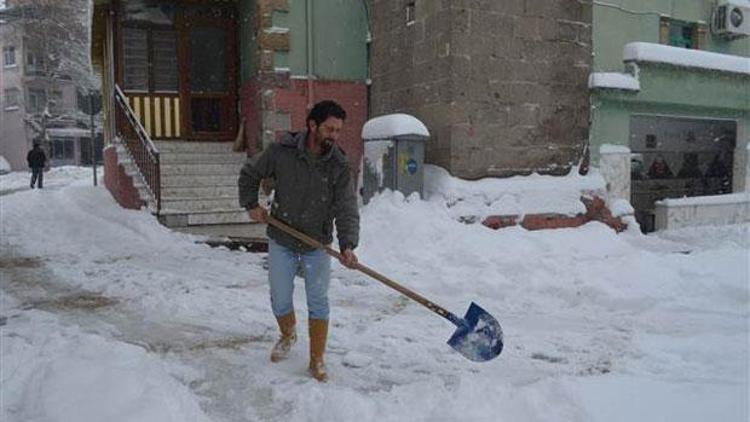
{"x":199,"y":184}
{"x":199,"y":191}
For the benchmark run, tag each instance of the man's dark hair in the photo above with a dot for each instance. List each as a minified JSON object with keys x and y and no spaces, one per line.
{"x":325,"y":109}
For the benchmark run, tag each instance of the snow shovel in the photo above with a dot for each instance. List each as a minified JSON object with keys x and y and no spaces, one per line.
{"x":478,"y":337}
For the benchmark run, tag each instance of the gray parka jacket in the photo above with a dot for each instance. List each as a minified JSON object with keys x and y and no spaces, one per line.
{"x":311,"y":192}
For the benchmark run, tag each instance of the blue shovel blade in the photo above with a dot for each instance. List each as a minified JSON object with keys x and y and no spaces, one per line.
{"x":479,"y":337}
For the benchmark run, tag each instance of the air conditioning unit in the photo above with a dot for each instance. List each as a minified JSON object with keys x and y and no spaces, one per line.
{"x":731,"y":18}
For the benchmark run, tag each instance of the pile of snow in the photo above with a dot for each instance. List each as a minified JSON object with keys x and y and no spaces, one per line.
{"x":613,"y":149}
{"x":4,"y":166}
{"x":58,"y":372}
{"x":520,"y":195}
{"x":590,"y":317}
{"x":55,"y":177}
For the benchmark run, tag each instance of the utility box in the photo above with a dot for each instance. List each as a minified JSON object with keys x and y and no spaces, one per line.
{"x":394,"y":155}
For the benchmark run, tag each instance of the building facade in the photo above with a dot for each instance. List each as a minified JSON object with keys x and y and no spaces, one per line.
{"x":671,"y":91}
{"x":183,"y":80}
{"x":501,"y":85}
{"x":25,"y":92}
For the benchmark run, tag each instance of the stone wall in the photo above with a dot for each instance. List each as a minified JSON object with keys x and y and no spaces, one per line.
{"x":501,"y":85}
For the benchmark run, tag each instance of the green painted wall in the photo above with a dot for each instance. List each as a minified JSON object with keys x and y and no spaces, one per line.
{"x":618,"y":22}
{"x":670,"y":91}
{"x":247,"y":42}
{"x":339,"y":45}
{"x":665,"y":90}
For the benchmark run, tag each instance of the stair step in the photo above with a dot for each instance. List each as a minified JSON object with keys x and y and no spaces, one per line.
{"x":194,"y":147}
{"x":200,"y":204}
{"x":202,"y":158}
{"x":172,"y":218}
{"x":177,"y":180}
{"x":198,"y":192}
{"x":218,"y":217}
{"x":201,"y":169}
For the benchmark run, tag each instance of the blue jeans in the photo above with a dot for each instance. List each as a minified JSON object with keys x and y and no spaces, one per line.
{"x":282,"y":267}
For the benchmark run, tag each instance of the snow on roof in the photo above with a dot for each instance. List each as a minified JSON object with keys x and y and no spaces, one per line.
{"x":392,"y":125}
{"x":658,"y":53}
{"x":613,"y":149}
{"x":613,"y":80}
{"x":74,"y":132}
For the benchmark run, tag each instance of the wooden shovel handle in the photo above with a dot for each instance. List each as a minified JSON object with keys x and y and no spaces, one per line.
{"x":367,"y":270}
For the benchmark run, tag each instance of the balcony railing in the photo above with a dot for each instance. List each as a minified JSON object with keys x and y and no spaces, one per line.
{"x":139,"y":144}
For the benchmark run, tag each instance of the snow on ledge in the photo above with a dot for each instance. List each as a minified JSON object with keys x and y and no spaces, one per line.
{"x":613,"y":80}
{"x":728,"y":199}
{"x":392,"y":125}
{"x":658,"y":53}
{"x":613,"y":149}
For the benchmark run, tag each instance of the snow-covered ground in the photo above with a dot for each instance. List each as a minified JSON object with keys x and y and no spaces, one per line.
{"x":108,"y":316}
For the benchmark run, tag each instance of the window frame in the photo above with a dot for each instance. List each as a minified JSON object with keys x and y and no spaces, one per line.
{"x":151,"y":68}
{"x":32,"y":106}
{"x":11,"y":105}
{"x":12,"y":50}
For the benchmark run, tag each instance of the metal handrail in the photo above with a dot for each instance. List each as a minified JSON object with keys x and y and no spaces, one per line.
{"x":139,"y":145}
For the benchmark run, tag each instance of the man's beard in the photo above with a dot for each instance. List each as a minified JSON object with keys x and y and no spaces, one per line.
{"x":326,"y":144}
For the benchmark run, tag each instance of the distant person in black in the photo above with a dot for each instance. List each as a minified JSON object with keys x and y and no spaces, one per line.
{"x":37,"y":160}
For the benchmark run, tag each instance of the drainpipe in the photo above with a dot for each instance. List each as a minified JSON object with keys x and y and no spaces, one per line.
{"x":310,"y":46}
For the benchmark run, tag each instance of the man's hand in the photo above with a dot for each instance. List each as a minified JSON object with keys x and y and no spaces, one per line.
{"x":348,"y":259}
{"x":259,"y":214}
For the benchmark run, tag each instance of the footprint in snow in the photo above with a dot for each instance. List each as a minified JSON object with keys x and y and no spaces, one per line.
{"x":356,"y":360}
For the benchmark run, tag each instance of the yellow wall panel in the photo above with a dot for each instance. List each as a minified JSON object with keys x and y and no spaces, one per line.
{"x":137,"y":108}
{"x":157,"y":117}
{"x":177,"y":116}
{"x":147,"y":112}
{"x":167,"y":118}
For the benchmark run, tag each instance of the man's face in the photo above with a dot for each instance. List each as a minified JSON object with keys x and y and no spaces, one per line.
{"x":329,"y":131}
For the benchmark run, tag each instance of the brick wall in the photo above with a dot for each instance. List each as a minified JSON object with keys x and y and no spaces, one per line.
{"x":501,"y":85}
{"x":273,"y":104}
{"x":119,"y":184}
{"x":596,"y":210}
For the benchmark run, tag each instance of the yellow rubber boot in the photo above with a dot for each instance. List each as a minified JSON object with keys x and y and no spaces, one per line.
{"x":318,"y":335}
{"x":282,"y":347}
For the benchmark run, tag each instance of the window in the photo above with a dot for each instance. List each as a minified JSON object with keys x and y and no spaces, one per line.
{"x":56,"y":102}
{"x":150,"y":59}
{"x":135,"y":58}
{"x":86,"y":150}
{"x":675,"y":157}
{"x":11,"y":99}
{"x":208,"y":60}
{"x":9,"y":56}
{"x":37,"y":100}
{"x":164,"y":52}
{"x":683,"y":34}
{"x":34,"y":64}
{"x":63,"y":148}
{"x":410,"y":12}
